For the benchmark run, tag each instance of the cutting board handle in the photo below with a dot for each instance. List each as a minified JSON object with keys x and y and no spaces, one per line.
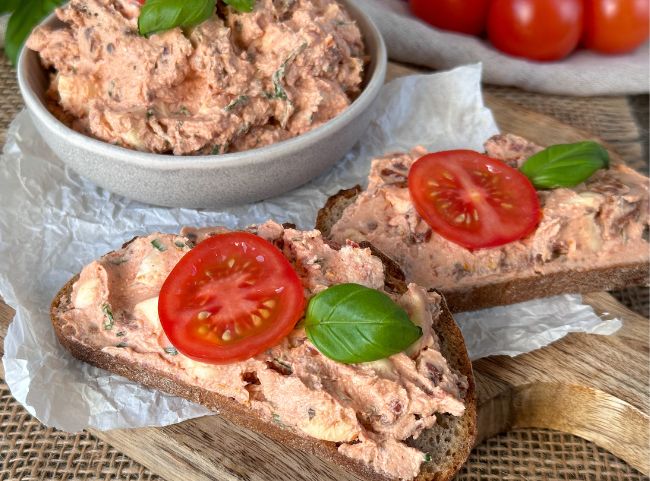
{"x":589,"y":413}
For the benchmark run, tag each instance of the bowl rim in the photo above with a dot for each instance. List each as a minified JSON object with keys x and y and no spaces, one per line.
{"x":248,"y":157}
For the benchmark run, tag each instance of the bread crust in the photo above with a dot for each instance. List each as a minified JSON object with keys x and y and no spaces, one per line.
{"x":525,"y":288}
{"x":453,"y":345}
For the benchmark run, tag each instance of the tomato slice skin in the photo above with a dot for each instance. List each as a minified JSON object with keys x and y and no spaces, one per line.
{"x":231,"y":297}
{"x":473,"y":200}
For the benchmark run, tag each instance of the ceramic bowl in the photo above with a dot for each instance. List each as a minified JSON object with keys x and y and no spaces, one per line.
{"x":208,"y":181}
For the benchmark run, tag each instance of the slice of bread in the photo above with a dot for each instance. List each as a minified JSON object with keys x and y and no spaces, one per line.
{"x":593,"y":236}
{"x":448,"y":442}
{"x":519,"y":289}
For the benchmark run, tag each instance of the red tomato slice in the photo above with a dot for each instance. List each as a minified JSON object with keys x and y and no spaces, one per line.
{"x":231,"y":297}
{"x":473,"y":200}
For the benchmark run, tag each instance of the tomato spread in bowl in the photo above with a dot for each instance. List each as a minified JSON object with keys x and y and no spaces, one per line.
{"x":245,"y":146}
{"x":234,"y":82}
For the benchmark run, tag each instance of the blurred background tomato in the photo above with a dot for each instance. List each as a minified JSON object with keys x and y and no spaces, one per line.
{"x":544,"y":30}
{"x":535,"y":29}
{"x":615,"y":26}
{"x":465,"y":16}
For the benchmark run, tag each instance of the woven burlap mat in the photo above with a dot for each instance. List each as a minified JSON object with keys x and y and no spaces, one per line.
{"x":29,"y":451}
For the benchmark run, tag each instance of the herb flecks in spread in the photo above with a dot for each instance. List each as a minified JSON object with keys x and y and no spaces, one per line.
{"x":593,"y":224}
{"x":108,"y":317}
{"x":371,"y":409}
{"x":224,"y":85}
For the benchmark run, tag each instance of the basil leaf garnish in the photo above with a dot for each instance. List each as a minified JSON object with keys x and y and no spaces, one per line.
{"x":26,"y":15}
{"x":351,"y":323}
{"x":565,"y":165}
{"x":159,"y":15}
{"x":8,"y":6}
{"x":241,"y":5}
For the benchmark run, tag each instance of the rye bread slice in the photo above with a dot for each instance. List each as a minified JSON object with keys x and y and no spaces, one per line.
{"x":523,"y":288}
{"x":449,"y":442}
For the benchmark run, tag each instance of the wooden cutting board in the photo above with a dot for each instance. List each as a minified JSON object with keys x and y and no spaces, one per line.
{"x":592,"y":386}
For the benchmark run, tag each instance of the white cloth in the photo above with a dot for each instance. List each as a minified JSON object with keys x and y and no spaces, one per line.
{"x":583,"y":73}
{"x":3,"y":27}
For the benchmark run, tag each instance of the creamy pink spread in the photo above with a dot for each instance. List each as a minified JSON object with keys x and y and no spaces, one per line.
{"x":235,"y":82}
{"x":370,"y":410}
{"x":600,"y":222}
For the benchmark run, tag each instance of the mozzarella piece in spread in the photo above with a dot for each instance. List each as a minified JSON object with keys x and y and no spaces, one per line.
{"x":235,"y":82}
{"x":598,"y":223}
{"x":371,"y":410}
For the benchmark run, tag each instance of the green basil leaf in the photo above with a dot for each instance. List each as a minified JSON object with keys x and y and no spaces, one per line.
{"x":241,"y":5}
{"x":351,"y":323}
{"x":8,"y":6}
{"x":565,"y":165}
{"x":27,"y":14}
{"x":158,"y":15}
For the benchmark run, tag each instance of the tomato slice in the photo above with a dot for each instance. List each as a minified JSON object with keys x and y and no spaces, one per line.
{"x":231,"y":297}
{"x":473,"y":200}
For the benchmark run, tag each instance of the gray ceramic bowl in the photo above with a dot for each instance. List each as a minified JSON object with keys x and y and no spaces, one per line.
{"x":208,"y":181}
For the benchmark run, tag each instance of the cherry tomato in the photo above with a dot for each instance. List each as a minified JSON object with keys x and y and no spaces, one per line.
{"x":535,"y":29}
{"x":473,"y":200}
{"x":465,"y":16}
{"x":615,"y":26}
{"x":231,"y":297}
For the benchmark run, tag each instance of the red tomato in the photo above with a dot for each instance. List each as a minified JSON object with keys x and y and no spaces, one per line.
{"x":473,"y":200}
{"x":466,"y":16}
{"x":231,"y":297}
{"x":535,"y":29}
{"x":615,"y":26}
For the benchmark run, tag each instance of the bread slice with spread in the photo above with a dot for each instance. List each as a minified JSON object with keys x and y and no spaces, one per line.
{"x":591,"y":236}
{"x":409,"y":416}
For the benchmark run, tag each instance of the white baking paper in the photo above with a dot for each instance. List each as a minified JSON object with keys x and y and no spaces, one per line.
{"x":52,"y":223}
{"x":524,"y":327}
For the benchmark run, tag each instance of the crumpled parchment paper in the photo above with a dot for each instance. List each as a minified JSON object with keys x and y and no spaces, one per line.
{"x":52,"y":223}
